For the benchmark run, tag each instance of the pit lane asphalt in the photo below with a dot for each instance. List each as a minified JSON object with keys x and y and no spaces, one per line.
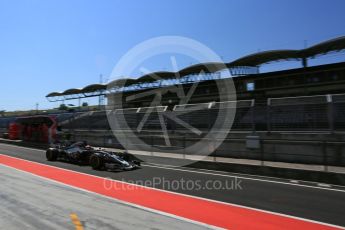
{"x":319,"y":204}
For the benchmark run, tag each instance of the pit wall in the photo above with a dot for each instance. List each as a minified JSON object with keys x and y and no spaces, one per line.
{"x":304,"y":148}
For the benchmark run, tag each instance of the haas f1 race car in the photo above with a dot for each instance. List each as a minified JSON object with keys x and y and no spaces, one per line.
{"x":81,"y":153}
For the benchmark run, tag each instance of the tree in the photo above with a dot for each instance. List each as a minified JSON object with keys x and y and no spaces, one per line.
{"x":63,"y":107}
{"x":85,"y":104}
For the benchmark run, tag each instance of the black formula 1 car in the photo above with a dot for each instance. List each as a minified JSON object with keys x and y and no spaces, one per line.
{"x":81,"y":153}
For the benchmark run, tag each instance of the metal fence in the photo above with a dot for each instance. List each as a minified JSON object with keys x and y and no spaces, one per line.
{"x":300,"y":113}
{"x":187,"y":117}
{"x":309,"y":113}
{"x":291,"y":150}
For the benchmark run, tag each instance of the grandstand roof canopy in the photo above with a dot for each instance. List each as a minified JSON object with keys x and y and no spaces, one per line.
{"x":252,"y":60}
{"x":209,"y":67}
{"x":335,"y":44}
{"x":71,"y":91}
{"x":160,"y":75}
{"x":260,"y":58}
{"x":54,"y":94}
{"x":265,"y":57}
{"x":121,"y":82}
{"x":93,"y":87}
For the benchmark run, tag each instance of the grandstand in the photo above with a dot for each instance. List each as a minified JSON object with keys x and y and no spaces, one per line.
{"x":273,"y":98}
{"x":309,"y":101}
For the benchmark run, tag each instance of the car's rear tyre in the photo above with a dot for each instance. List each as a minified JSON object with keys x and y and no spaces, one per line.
{"x":96,"y":162}
{"x":51,"y":155}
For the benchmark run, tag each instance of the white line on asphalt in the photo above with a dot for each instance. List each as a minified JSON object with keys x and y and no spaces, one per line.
{"x":323,"y":185}
{"x":247,"y":178}
{"x":273,"y":179}
{"x":21,"y":147}
{"x":223,"y":172}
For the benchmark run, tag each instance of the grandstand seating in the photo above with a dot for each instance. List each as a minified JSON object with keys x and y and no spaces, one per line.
{"x":312,"y":113}
{"x":63,"y":117}
{"x":88,"y":120}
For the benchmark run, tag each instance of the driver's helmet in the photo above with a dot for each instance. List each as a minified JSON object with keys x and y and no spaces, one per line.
{"x":86,"y":145}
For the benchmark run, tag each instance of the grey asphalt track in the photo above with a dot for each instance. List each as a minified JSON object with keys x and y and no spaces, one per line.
{"x":277,"y":195}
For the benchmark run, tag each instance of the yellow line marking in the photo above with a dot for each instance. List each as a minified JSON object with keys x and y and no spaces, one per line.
{"x":76,"y":221}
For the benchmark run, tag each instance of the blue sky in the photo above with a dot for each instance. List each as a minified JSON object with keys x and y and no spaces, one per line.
{"x":54,"y":45}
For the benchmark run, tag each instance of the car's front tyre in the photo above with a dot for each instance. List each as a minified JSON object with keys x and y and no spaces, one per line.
{"x":96,"y":162}
{"x":51,"y":155}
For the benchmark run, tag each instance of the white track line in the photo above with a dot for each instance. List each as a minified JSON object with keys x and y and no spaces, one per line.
{"x":273,"y":179}
{"x":22,"y":147}
{"x":249,"y":178}
{"x":323,"y":185}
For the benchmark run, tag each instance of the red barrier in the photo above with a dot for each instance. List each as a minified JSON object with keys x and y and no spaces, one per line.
{"x":13,"y":131}
{"x":34,"y":128}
